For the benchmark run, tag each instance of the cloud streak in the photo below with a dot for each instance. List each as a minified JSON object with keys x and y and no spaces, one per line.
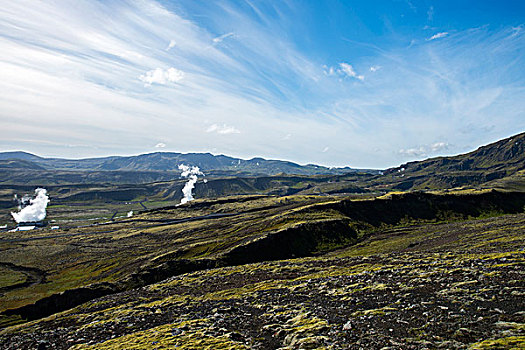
{"x":171,"y":45}
{"x":349,"y":71}
{"x":221,"y":38}
{"x":222,"y":129}
{"x":425,"y":150}
{"x":162,"y":77}
{"x":438,"y":36}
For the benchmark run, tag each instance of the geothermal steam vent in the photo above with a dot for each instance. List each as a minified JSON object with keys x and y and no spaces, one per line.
{"x":190,"y":173}
{"x":32,"y":209}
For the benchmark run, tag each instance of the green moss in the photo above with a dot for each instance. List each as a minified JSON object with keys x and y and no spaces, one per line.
{"x":379,"y":312}
{"x":302,"y":332}
{"x":59,"y":281}
{"x":242,"y":292}
{"x":9,"y":277}
{"x":334,"y":271}
{"x":511,"y":343}
{"x":184,"y":335}
{"x":510,"y":325}
{"x":375,"y":286}
{"x":7,"y":321}
{"x":82,"y":259}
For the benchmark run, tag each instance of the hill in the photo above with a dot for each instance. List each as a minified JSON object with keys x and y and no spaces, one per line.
{"x":500,"y":165}
{"x":18,"y":164}
{"x":433,"y":271}
{"x":19,"y":155}
{"x":497,"y":165}
{"x":121,"y":266}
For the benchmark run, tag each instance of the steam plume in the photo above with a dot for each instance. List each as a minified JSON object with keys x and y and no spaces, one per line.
{"x":190,"y":173}
{"x":35,"y":210}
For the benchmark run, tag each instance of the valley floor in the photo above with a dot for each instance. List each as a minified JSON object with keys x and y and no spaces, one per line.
{"x":440,"y":286}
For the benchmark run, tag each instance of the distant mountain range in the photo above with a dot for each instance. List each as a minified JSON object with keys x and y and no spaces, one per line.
{"x":169,"y":161}
{"x":497,"y":165}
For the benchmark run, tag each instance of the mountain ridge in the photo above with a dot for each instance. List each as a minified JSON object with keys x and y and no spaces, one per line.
{"x":489,"y":165}
{"x":500,"y":164}
{"x":504,"y":150}
{"x":169,"y":161}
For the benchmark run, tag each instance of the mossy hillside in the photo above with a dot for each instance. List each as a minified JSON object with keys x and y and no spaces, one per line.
{"x":85,"y":191}
{"x":112,"y":253}
{"x":98,"y":194}
{"x":484,"y":166}
{"x":269,"y":228}
{"x":495,"y":165}
{"x":66,"y":279}
{"x":514,"y":182}
{"x":168,"y":337}
{"x":505,"y":233}
{"x":446,"y":297}
{"x":9,"y":277}
{"x":84,"y":203}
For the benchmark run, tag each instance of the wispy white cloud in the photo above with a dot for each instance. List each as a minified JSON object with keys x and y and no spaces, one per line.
{"x":438,"y":146}
{"x":413,"y":152}
{"x":349,"y":71}
{"x":71,"y":76}
{"x":223,"y":129}
{"x":425,"y":150}
{"x":162,"y":77}
{"x":330,"y":71}
{"x":375,"y":68}
{"x":171,"y":45}
{"x":343,"y":70}
{"x":160,"y":145}
{"x":220,"y":38}
{"x":411,"y":5}
{"x":517,"y":30}
{"x":326,"y":149}
{"x":438,"y":36}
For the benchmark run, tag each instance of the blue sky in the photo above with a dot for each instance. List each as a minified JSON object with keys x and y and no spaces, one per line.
{"x":340,"y":83}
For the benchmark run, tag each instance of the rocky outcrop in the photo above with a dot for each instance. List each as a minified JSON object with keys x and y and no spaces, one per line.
{"x":297,"y":241}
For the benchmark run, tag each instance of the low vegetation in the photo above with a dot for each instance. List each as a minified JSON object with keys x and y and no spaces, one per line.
{"x":338,"y":261}
{"x":452,"y":285}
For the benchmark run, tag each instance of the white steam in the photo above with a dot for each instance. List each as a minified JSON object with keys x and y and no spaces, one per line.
{"x":190,"y":173}
{"x":35,"y":210}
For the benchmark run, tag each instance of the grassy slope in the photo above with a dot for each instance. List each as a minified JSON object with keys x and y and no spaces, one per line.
{"x":500,"y":165}
{"x":452,"y":285}
{"x":111,"y":188}
{"x":486,"y":166}
{"x":146,"y":249}
{"x":77,"y":257}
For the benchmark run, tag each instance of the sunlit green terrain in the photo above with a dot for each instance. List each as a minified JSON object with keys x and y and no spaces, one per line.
{"x":359,"y":260}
